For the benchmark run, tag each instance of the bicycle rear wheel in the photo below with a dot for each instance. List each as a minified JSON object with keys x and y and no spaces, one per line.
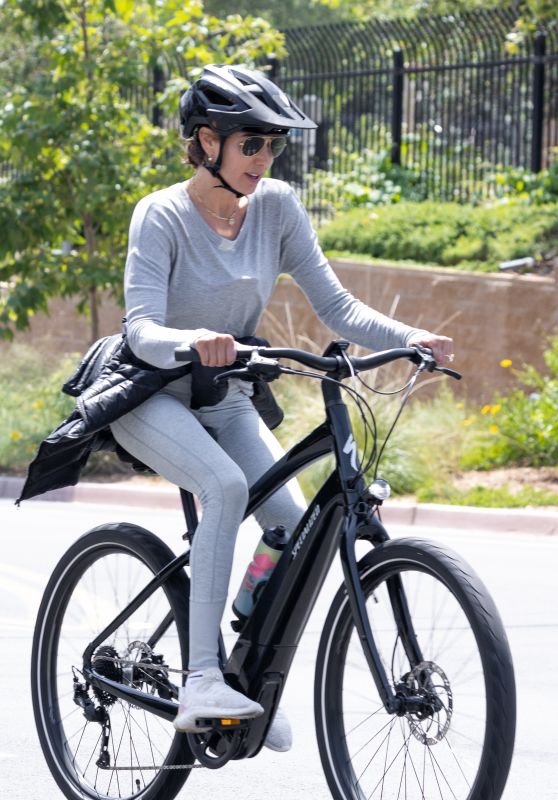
{"x":461,"y":748}
{"x":134,"y":754}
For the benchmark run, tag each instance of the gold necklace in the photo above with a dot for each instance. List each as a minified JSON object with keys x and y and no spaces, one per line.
{"x":230,"y":220}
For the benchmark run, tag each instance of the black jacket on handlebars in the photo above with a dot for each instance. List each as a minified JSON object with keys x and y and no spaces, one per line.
{"x":109,"y":382}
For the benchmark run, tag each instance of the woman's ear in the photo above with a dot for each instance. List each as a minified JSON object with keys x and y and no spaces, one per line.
{"x":209,"y":142}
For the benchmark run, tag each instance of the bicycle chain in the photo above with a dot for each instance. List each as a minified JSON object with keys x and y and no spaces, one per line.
{"x":163,"y":767}
{"x":141,"y":665}
{"x":167,"y":767}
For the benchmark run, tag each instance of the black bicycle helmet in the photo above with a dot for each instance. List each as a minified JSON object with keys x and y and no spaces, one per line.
{"x":233,"y":98}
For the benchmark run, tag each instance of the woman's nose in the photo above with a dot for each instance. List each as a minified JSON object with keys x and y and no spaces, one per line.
{"x":265,"y":155}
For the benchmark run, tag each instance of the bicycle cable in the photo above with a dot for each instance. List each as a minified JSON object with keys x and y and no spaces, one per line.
{"x":407,"y":388}
{"x":368,"y":419}
{"x":369,"y":424}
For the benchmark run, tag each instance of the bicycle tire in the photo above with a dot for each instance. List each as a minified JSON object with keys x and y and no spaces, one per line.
{"x":463,"y":751}
{"x":94,"y":580}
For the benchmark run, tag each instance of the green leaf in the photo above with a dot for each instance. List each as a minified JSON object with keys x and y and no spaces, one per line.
{"x":124,"y":8}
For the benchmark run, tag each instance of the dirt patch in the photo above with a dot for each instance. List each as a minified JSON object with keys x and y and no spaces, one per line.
{"x":512,"y":478}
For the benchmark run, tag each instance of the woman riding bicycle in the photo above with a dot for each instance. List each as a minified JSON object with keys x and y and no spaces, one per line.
{"x":204,"y":255}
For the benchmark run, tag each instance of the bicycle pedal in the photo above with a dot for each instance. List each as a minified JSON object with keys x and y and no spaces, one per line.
{"x":222,"y":724}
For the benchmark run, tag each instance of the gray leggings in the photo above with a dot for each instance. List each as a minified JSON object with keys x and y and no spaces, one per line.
{"x":172,"y":439}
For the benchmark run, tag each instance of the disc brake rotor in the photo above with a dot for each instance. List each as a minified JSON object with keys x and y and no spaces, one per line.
{"x":429,"y":681}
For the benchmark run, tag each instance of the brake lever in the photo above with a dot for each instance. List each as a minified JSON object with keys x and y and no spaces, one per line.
{"x":230,"y":373}
{"x":427,"y":362}
{"x":452,"y":373}
{"x":424,"y":358}
{"x":258,"y":368}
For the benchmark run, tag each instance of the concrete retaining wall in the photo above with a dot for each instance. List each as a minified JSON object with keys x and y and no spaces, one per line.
{"x":490,"y":316}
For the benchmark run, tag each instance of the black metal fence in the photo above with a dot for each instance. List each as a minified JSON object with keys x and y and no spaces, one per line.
{"x":441,"y":95}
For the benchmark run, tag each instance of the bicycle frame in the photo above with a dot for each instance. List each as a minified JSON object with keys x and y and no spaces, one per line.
{"x":336,"y":518}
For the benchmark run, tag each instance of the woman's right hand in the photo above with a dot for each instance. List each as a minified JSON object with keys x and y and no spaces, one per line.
{"x":216,"y":349}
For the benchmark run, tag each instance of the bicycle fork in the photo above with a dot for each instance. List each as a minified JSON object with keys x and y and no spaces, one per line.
{"x":395,"y":702}
{"x":361,"y":523}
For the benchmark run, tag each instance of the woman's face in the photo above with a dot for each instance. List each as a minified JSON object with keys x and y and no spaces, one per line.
{"x":239,"y":167}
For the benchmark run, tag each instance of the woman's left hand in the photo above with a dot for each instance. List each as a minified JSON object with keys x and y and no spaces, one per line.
{"x":441,"y":346}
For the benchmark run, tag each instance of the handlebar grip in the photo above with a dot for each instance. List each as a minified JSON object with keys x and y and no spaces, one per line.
{"x":452,"y":373}
{"x":184,"y":353}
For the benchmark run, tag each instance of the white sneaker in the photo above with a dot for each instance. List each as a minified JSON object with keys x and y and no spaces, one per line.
{"x":280,"y":735}
{"x":207,"y":696}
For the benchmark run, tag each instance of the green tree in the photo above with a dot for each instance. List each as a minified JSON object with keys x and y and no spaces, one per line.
{"x":528,"y":11}
{"x":76,"y":121}
{"x":284,"y":13}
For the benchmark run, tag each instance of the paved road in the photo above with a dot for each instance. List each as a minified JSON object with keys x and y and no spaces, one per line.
{"x":520,"y":570}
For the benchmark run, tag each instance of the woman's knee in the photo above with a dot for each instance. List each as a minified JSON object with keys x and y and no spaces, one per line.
{"x":228,"y":487}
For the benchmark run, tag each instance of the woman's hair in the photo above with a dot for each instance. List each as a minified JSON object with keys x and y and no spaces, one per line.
{"x":193,"y":151}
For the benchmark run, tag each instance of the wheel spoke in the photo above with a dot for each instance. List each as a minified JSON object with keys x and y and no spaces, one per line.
{"x":435,"y":748}
{"x":117,"y":751}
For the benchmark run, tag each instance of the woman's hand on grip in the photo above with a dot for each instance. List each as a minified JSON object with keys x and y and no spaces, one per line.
{"x":216,"y":349}
{"x":441,"y":346}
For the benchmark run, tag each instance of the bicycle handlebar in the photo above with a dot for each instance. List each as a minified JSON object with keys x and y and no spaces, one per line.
{"x":417,"y":355}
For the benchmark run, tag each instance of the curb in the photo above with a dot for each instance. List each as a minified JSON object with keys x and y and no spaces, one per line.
{"x":109,"y":493}
{"x":504,"y":520}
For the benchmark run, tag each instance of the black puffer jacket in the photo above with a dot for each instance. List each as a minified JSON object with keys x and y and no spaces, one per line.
{"x":108,"y":383}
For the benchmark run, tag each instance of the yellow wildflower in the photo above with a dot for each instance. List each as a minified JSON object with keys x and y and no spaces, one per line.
{"x":506,"y":362}
{"x":460,"y":405}
{"x":486,"y":409}
{"x":38,"y":404}
{"x":469,"y":421}
{"x":495,"y":408}
{"x":15,"y":436}
{"x":494,"y":429}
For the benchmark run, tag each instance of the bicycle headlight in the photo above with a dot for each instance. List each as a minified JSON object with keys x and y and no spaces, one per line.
{"x":379,"y":490}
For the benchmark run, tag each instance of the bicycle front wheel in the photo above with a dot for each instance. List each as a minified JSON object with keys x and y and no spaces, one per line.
{"x":461,"y":747}
{"x":121,"y":751}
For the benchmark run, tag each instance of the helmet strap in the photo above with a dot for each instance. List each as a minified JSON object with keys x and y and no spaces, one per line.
{"x":215,"y":167}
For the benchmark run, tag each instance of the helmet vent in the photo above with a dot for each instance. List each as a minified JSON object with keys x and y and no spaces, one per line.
{"x":217,"y":99}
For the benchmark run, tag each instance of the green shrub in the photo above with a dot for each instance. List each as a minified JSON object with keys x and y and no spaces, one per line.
{"x":31,"y":403}
{"x":368,"y":179}
{"x":520,"y":428}
{"x":517,"y":183}
{"x":445,"y":234}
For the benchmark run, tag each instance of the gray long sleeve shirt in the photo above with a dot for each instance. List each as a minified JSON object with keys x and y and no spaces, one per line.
{"x":183,"y":279}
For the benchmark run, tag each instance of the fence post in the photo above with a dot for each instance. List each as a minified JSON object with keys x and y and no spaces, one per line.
{"x":397,"y":109}
{"x":538,"y":101}
{"x":158,"y":86}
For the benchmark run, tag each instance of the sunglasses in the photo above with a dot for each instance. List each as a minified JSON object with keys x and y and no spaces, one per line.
{"x":253,"y":144}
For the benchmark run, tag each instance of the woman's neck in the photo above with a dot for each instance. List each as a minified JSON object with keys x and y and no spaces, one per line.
{"x":221,"y":210}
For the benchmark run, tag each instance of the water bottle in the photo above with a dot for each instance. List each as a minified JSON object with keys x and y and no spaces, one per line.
{"x":260,"y":569}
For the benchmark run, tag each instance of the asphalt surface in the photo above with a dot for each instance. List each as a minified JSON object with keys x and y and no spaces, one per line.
{"x":516,"y":555}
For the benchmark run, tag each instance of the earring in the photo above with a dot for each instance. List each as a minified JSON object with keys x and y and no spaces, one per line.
{"x":209,"y":159}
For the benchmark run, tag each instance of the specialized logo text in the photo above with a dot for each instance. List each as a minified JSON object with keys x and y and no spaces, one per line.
{"x":305,"y":531}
